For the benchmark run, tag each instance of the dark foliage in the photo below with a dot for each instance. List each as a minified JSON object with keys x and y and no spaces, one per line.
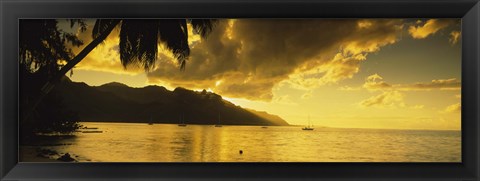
{"x":51,"y":116}
{"x":42,"y":45}
{"x":203,"y":26}
{"x":139,"y":38}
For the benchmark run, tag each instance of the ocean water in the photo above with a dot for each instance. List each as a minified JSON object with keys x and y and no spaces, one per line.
{"x":135,"y":142}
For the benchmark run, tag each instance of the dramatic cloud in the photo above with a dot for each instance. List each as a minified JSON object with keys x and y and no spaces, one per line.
{"x":375,"y":82}
{"x":248,"y":58}
{"x":387,"y":99}
{"x":442,"y":84}
{"x":252,"y":56}
{"x":429,"y":28}
{"x":392,"y":95}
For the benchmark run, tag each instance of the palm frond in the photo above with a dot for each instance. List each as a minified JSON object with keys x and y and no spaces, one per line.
{"x":148,"y":44}
{"x":81,"y":23}
{"x":139,"y":39}
{"x":203,"y":26}
{"x":100,"y":26}
{"x":128,"y":45}
{"x":139,"y":42}
{"x":174,"y":34}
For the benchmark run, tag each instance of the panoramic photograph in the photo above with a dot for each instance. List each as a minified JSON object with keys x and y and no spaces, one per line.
{"x":240,"y":90}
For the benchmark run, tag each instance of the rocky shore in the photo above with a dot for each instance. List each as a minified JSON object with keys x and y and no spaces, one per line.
{"x":38,"y":154}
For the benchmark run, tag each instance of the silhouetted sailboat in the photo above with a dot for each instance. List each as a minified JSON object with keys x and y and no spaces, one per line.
{"x":182,"y":122}
{"x":309,"y":127}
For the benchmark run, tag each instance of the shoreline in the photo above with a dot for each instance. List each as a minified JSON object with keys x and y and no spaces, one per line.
{"x":290,"y":125}
{"x":30,"y":154}
{"x":185,"y":123}
{"x":35,"y":154}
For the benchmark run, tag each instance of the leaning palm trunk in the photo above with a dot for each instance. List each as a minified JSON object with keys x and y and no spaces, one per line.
{"x":50,"y":84}
{"x":138,"y":44}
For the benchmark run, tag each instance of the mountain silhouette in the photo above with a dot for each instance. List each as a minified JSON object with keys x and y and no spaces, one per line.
{"x":117,"y":102}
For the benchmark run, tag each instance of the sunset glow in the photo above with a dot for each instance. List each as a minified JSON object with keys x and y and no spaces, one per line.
{"x":349,"y":73}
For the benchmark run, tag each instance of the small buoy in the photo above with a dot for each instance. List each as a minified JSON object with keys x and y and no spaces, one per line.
{"x":241,"y":151}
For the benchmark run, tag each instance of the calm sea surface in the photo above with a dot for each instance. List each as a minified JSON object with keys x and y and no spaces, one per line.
{"x":134,"y":142}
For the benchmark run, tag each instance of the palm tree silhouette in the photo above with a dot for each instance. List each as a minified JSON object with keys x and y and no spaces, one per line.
{"x":41,"y":45}
{"x":139,"y":39}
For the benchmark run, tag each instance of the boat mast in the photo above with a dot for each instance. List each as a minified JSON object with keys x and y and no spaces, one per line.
{"x":309,"y":123}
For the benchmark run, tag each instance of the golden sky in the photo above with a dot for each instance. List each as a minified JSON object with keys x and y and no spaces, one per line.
{"x":360,"y":73}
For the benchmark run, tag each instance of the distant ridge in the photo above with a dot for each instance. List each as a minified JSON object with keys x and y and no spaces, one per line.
{"x":117,"y":102}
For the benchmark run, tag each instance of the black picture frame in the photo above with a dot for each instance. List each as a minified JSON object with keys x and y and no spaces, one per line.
{"x":11,"y":11}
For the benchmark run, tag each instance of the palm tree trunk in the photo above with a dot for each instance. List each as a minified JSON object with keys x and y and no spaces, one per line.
{"x":49,"y":85}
